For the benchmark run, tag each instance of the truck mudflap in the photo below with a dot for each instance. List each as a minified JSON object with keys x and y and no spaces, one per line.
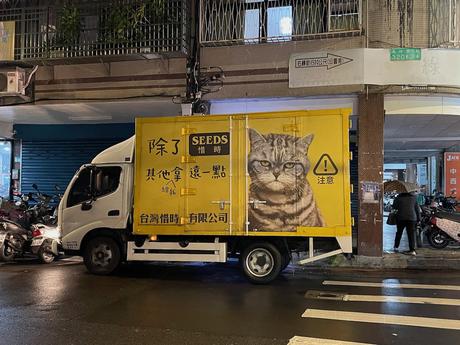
{"x":177,"y":251}
{"x":345,"y":243}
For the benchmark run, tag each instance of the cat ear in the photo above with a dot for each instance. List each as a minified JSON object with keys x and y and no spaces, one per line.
{"x":306,"y":141}
{"x":255,"y":137}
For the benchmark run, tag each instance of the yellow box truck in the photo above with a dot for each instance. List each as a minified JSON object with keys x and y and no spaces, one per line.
{"x":206,"y":188}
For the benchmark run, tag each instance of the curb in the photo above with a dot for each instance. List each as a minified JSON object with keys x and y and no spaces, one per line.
{"x":388,"y":261}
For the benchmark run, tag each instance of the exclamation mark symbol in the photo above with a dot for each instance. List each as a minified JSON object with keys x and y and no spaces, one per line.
{"x":325,"y":165}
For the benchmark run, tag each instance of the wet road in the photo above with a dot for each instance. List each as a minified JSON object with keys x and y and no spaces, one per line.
{"x":213,"y":304}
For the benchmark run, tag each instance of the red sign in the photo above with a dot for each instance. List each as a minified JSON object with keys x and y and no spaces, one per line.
{"x":452,"y":174}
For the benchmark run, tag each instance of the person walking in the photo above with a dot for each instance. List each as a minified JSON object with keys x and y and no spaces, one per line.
{"x":407,"y":217}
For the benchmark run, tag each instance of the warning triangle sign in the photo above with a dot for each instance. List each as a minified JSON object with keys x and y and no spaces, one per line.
{"x":325,"y":166}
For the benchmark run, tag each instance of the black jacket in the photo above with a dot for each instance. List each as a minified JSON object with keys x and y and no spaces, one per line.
{"x":408,"y":209}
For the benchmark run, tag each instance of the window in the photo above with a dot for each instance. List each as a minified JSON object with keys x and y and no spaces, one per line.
{"x":5,"y":168}
{"x":81,"y":190}
{"x":264,"y":20}
{"x":251,"y":25}
{"x":94,"y":182}
{"x":344,"y":15}
{"x":106,"y":180}
{"x":280,"y":22}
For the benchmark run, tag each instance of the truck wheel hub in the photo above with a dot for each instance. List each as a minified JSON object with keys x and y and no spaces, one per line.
{"x":260,"y":262}
{"x":102,"y":254}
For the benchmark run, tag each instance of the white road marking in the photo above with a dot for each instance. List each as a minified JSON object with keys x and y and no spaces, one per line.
{"x":392,"y":285}
{"x":382,"y":319}
{"x":318,"y":341}
{"x":401,"y":299}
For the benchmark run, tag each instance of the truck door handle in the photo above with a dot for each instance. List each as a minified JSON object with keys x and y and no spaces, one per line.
{"x":221,"y":203}
{"x":113,"y":213}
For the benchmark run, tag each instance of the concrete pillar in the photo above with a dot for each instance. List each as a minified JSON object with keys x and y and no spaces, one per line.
{"x":370,"y":174}
{"x":411,"y":173}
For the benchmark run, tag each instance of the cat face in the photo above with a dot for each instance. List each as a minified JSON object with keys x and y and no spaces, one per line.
{"x":278,"y":162}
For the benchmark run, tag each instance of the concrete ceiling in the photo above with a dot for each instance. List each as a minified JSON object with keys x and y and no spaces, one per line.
{"x":419,"y":136}
{"x":408,"y":136}
{"x":90,"y":112}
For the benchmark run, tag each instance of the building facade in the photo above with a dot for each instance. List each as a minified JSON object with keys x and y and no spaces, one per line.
{"x":97,"y":65}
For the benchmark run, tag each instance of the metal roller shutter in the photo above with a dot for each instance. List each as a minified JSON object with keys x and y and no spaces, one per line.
{"x":48,"y":163}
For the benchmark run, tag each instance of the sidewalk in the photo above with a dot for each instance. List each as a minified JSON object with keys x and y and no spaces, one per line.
{"x":427,"y":258}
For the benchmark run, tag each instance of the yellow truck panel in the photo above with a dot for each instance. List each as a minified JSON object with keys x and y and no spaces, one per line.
{"x":265,"y":174}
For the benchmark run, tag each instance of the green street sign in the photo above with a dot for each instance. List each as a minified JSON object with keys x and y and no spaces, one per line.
{"x":405,"y":54}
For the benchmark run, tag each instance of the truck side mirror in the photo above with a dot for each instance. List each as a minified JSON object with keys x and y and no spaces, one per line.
{"x":86,"y":206}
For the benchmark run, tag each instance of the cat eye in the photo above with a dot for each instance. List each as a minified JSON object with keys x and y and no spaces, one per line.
{"x":264,"y":163}
{"x":289,"y":165}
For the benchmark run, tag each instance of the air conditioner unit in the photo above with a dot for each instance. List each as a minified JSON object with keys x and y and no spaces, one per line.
{"x":12,"y":82}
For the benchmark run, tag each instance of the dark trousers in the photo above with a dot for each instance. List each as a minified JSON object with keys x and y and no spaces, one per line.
{"x":410,"y":229}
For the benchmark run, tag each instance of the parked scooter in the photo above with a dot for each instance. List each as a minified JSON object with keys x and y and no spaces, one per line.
{"x":46,"y":242}
{"x":41,"y":240}
{"x":14,"y":240}
{"x":31,"y":235}
{"x":444,"y":228}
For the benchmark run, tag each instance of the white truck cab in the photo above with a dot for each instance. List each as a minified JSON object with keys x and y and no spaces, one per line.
{"x":99,"y":196}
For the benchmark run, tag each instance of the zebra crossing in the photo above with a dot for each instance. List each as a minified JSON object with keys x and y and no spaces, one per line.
{"x":395,"y":293}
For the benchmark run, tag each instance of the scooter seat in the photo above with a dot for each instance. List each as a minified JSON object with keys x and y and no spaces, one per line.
{"x":14,"y":227}
{"x":453,"y":216}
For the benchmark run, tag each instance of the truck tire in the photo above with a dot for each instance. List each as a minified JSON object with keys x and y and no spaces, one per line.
{"x":102,"y":255}
{"x":261,"y":262}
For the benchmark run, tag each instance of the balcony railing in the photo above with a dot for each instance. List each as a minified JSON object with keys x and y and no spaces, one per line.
{"x":99,"y":28}
{"x":225,"y":22}
{"x":444,"y":23}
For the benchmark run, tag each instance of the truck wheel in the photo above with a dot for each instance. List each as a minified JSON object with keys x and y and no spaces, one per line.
{"x":261,"y":262}
{"x":102,"y":255}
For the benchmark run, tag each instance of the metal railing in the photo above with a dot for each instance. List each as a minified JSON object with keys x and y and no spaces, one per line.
{"x":100,"y":28}
{"x":226,"y":22}
{"x":444,"y":25}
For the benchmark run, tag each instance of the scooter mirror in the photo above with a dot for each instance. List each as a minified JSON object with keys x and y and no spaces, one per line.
{"x":34,"y":186}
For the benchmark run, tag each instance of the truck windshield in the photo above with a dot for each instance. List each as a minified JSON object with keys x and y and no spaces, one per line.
{"x":81,"y":190}
{"x":105,"y":180}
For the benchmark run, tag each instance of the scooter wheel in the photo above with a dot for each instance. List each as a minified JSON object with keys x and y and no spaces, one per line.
{"x":6,"y":254}
{"x":438,"y":239}
{"x":45,"y":256}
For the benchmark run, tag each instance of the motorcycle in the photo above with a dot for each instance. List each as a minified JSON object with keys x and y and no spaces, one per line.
{"x":31,"y":234}
{"x":42,"y":240}
{"x":47,"y":205}
{"x":14,"y":239}
{"x":444,"y":228}
{"x":46,"y":242}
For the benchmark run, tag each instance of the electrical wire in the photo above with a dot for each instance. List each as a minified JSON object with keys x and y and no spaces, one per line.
{"x":45,"y":99}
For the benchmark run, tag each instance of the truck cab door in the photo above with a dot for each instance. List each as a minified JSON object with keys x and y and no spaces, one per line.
{"x":95,"y":200}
